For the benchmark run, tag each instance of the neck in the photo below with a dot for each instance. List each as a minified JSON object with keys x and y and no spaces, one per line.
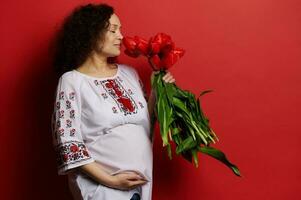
{"x":95,"y":63}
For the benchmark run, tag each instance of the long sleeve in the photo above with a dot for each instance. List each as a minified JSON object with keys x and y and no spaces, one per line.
{"x":67,"y":137}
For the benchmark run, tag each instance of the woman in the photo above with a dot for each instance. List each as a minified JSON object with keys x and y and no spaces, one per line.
{"x":101,"y":121}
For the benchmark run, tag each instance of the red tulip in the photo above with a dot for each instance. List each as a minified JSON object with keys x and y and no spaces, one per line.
{"x":154,"y":46}
{"x":155,"y":62}
{"x":160,"y":50}
{"x":142,"y":45}
{"x":130,"y":45}
{"x":171,"y":58}
{"x":135,"y":46}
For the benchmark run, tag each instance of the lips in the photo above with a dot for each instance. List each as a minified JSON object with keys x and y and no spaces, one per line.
{"x":117,"y":45}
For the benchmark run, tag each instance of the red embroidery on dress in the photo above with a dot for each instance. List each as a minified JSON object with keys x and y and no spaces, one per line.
{"x":72,"y":132}
{"x":141,"y":104}
{"x":124,"y":101}
{"x":68,"y":123}
{"x":61,"y":96}
{"x":71,"y":152}
{"x":127,"y":103}
{"x":58,"y":124}
{"x":61,"y":114}
{"x":63,"y":119}
{"x":68,"y":104}
{"x":130,"y":91}
{"x":96,"y":82}
{"x":73,"y":148}
{"x":61,"y":131}
{"x":104,"y":95}
{"x":114,"y":109}
{"x":58,"y":105}
{"x":72,"y":114}
{"x":72,"y":96}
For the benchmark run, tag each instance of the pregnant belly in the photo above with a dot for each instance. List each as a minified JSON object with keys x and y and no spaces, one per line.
{"x":124,"y":148}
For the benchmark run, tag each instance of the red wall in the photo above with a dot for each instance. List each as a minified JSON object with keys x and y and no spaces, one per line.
{"x":248,"y":52}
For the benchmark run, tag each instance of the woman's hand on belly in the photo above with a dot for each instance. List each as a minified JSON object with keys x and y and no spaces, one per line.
{"x":127,"y":180}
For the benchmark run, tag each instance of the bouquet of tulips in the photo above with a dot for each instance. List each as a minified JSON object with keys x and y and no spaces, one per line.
{"x":179,"y":114}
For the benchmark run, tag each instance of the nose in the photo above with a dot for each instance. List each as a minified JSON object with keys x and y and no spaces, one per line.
{"x":120,"y":36}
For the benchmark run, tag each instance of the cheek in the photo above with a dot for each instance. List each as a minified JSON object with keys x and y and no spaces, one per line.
{"x":109,"y":42}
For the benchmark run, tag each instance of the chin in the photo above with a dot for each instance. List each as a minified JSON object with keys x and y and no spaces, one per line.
{"x":115,"y":54}
{"x":111,"y":52}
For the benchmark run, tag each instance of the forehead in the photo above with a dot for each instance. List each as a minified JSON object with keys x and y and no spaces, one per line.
{"x":114,"y":21}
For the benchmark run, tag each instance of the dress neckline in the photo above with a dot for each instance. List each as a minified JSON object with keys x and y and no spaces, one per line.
{"x":100,"y":78}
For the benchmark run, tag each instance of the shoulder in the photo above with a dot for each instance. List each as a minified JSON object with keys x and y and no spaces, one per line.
{"x":70,"y":79}
{"x":128,"y":69}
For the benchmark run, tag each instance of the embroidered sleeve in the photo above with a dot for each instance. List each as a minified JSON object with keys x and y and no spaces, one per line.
{"x":70,"y":148}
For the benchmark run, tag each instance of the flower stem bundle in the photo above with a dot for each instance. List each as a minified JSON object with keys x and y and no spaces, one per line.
{"x":179,"y":113}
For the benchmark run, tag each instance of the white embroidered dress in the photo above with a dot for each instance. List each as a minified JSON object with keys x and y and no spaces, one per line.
{"x":104,"y":120}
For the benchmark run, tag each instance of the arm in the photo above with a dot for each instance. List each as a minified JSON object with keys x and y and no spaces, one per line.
{"x":151,"y":102}
{"x":121,"y":181}
{"x":96,"y":172}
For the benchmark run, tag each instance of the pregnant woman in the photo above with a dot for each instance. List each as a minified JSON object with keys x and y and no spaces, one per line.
{"x":101,"y":121}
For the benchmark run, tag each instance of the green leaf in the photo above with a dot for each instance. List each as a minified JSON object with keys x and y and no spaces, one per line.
{"x":170,"y":90}
{"x":204,"y":92}
{"x":175,"y":131}
{"x":169,"y":153}
{"x":217,"y":154}
{"x":186,"y":145}
{"x":176,"y":138}
{"x":195,"y":157}
{"x":181,"y":105}
{"x":180,"y":111}
{"x":192,"y":127}
{"x":164,"y":109}
{"x":163,"y":112}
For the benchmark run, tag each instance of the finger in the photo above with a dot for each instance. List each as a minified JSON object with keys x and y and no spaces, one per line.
{"x":134,"y":184}
{"x":172,"y":80}
{"x":167,"y":74}
{"x":166,"y":78}
{"x":137,"y":183}
{"x":134,"y":176}
{"x":139,"y":177}
{"x":128,"y":172}
{"x":169,"y":79}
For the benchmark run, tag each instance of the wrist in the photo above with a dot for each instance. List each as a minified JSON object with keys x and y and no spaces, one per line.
{"x":112,"y":181}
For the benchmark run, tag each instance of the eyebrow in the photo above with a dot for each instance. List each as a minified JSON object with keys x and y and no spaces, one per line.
{"x":116,"y":25}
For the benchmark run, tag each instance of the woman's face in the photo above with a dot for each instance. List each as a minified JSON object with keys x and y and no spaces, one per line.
{"x":110,"y":47}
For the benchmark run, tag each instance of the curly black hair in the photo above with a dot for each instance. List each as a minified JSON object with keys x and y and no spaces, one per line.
{"x":80,"y":34}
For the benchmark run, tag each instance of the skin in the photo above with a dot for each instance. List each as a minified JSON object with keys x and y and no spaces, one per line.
{"x":96,"y":65}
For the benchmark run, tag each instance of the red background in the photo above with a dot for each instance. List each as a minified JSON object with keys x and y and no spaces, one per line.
{"x":247,"y":51}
